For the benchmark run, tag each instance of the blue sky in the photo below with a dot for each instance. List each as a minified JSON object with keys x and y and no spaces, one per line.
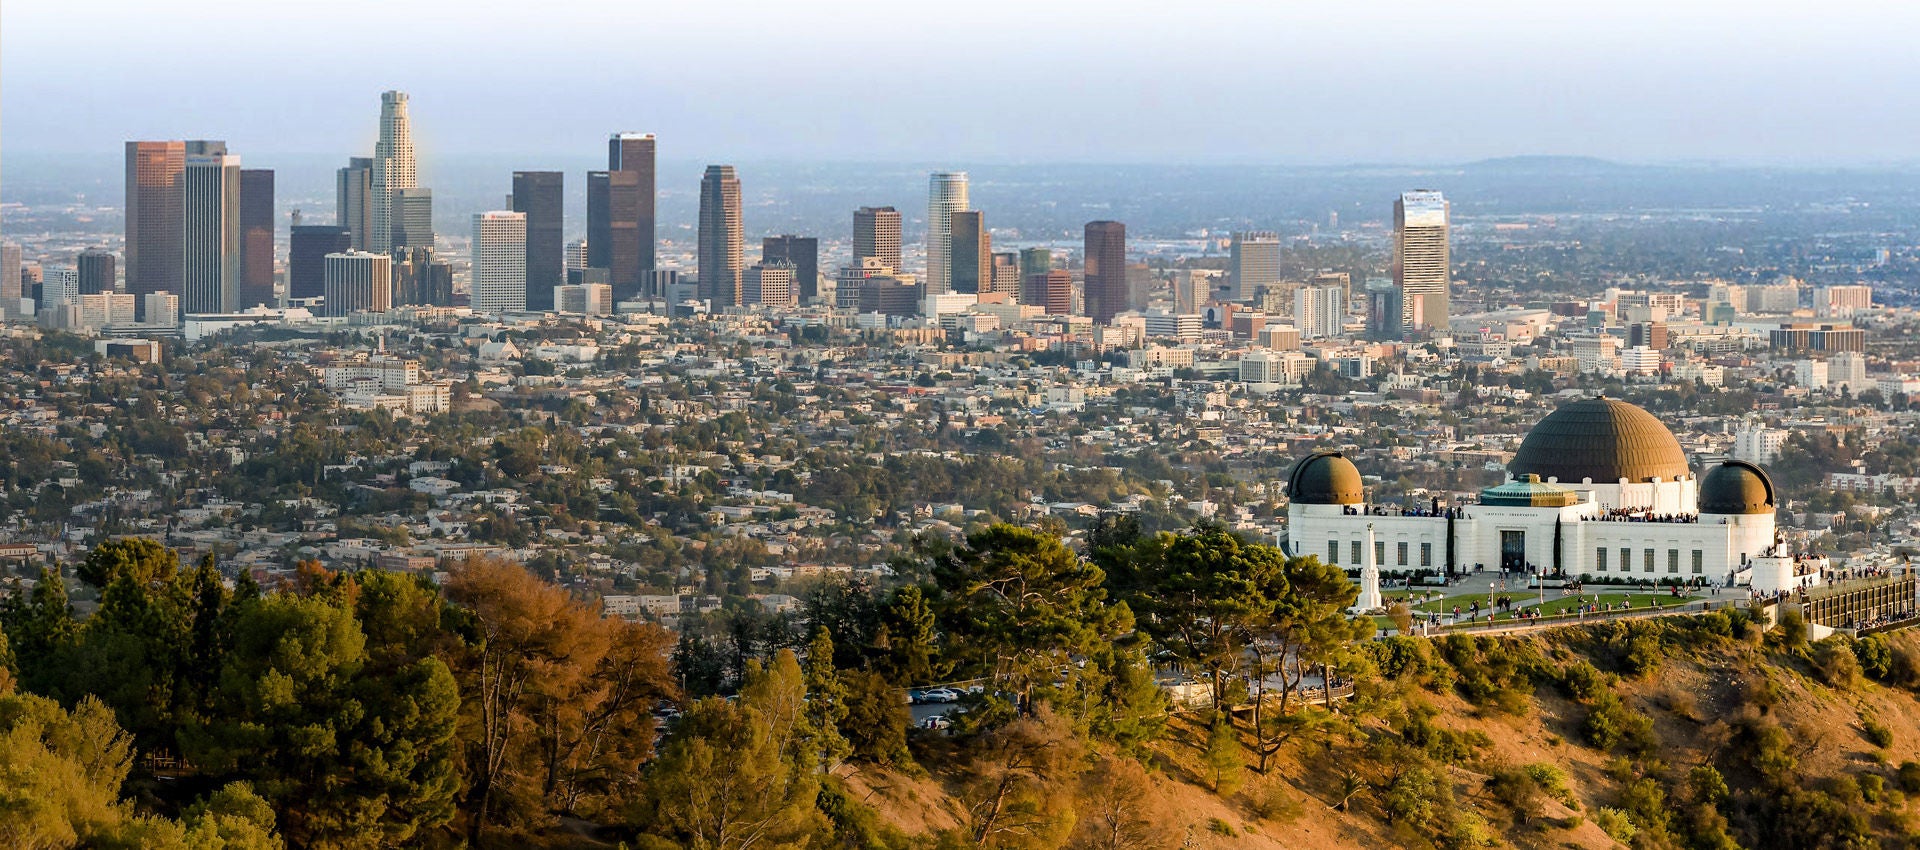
{"x":1277,"y":82}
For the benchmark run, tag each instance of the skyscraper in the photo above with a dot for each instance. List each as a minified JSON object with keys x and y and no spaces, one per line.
{"x":1386,"y":310}
{"x":1253,"y":263}
{"x":1106,"y":270}
{"x":804,"y":253}
{"x":1319,"y":311}
{"x":9,"y":277}
{"x":633,"y":235}
{"x":1422,"y":260}
{"x":420,"y":278}
{"x":946,"y":195}
{"x":353,"y":200}
{"x":358,"y":281}
{"x":393,"y":171}
{"x":1051,"y":291}
{"x":499,"y":283}
{"x":413,"y":223}
{"x":969,"y":268}
{"x":541,"y":196}
{"x":95,"y":266}
{"x":876,"y":233}
{"x":1035,"y":261}
{"x":1005,"y":277}
{"x":256,"y":237}
{"x":719,"y":252}
{"x":210,"y":278}
{"x":770,"y":284}
{"x":307,"y":257}
{"x":155,"y":173}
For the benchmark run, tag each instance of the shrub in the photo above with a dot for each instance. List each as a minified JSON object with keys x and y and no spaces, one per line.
{"x":1220,"y":827}
{"x":1611,"y":723}
{"x":1876,"y":733}
{"x":1553,"y":781}
{"x":1516,"y":789}
{"x":1793,"y":628}
{"x":1583,"y":681}
{"x":1617,"y":824}
{"x":1873,"y":787}
{"x":1907,"y":777}
{"x":1835,"y":664}
{"x":1876,"y":657}
{"x":1273,"y":800}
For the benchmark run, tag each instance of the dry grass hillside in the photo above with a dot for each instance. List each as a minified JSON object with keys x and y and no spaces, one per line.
{"x":1676,"y":733}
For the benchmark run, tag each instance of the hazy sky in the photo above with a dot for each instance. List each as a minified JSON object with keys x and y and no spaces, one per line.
{"x":1330,"y":81}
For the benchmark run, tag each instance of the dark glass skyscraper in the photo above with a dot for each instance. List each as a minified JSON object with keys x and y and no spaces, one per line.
{"x":307,"y":257}
{"x":804,"y":253}
{"x":634,"y":153}
{"x":353,"y":203}
{"x":155,"y":250}
{"x":256,"y":237}
{"x":95,"y":270}
{"x":613,"y":220}
{"x":970,"y":253}
{"x":719,"y":252}
{"x":540,"y":195}
{"x":1105,"y":290}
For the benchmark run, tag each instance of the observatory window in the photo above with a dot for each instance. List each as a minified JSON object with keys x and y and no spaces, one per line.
{"x":1356,"y":553}
{"x":1673,"y":560}
{"x":1426,"y":554}
{"x":1698,"y":558}
{"x":1600,"y":559}
{"x":1333,"y":551}
{"x":1647,"y":561}
{"x":1403,"y":554}
{"x":1379,"y":551}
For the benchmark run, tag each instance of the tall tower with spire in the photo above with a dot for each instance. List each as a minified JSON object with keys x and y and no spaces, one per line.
{"x":393,"y":171}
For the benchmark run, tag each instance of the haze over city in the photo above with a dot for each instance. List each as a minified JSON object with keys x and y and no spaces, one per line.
{"x":1325,"y":83}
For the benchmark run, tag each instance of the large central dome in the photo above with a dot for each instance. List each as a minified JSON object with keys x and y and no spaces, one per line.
{"x":1601,"y":440}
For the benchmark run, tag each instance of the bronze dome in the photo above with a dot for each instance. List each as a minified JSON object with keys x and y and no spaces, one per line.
{"x":1325,"y":478}
{"x":1736,"y":487}
{"x":1601,"y":440}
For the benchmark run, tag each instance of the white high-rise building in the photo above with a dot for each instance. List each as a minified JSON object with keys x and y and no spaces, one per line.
{"x":163,"y":309}
{"x":499,"y":282}
{"x":1422,"y":258}
{"x":358,"y":282}
{"x":211,"y":231}
{"x":575,"y":256}
{"x":1848,"y":369}
{"x":9,"y":276}
{"x":1319,"y":311}
{"x":393,"y":170}
{"x":1759,"y":444}
{"x":946,"y":195}
{"x":1842,"y":301}
{"x":1811,"y":374}
{"x":583,"y":299}
{"x":59,"y":285}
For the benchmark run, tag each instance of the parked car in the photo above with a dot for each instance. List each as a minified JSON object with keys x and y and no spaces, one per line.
{"x":938,"y":722}
{"x":942,"y":695}
{"x":916,"y":697}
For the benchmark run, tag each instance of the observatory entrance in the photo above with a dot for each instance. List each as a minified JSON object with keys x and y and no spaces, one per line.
{"x":1513,"y":550}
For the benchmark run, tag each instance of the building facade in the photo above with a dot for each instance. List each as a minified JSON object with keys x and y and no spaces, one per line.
{"x":358,"y":282}
{"x":256,"y":238}
{"x":1423,"y":259}
{"x":499,"y":283}
{"x":393,"y":171}
{"x":541,"y":196}
{"x":720,"y":252}
{"x":1104,"y":287}
{"x":803,"y":252}
{"x":946,"y":195}
{"x":876,"y":234}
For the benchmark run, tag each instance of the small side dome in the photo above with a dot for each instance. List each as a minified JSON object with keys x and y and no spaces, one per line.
{"x":1325,"y":478}
{"x":1736,"y":487}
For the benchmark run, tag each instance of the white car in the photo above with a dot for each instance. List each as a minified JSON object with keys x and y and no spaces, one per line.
{"x":938,"y":722}
{"x":942,"y":695}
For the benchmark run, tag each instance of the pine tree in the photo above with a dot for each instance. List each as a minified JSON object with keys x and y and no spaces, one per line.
{"x":826,"y":701}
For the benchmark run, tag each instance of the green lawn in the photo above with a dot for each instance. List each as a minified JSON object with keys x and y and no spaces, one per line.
{"x":1556,"y":605}
{"x":1443,"y":605}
